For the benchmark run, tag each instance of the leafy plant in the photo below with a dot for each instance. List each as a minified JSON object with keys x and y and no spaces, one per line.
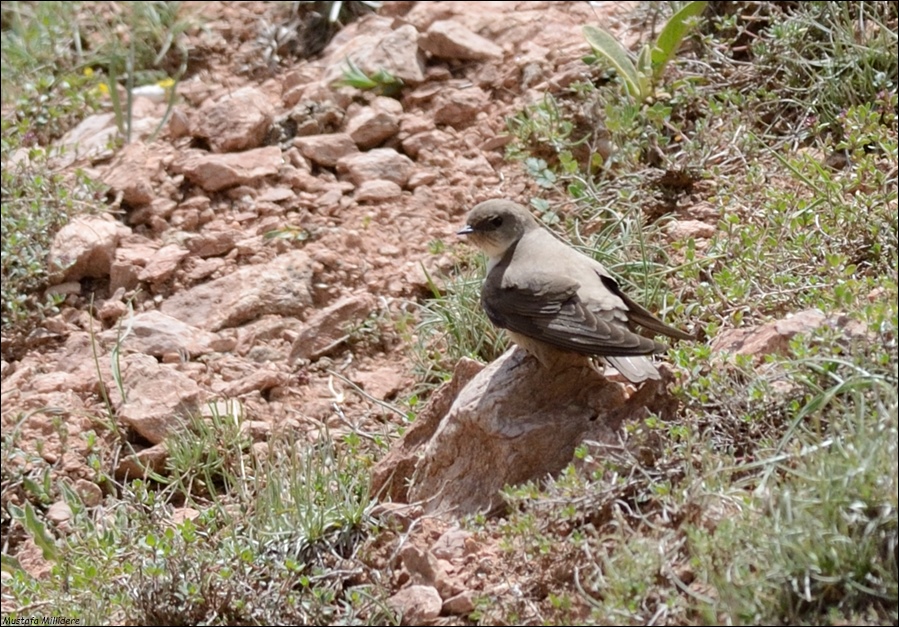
{"x":454,"y":326}
{"x":381,"y":81}
{"x":641,"y":77}
{"x":36,"y":204}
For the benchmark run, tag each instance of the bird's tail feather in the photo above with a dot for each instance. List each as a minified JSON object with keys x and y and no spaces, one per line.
{"x":637,"y":314}
{"x":634,"y":368}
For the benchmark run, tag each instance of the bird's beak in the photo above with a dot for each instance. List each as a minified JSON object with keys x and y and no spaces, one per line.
{"x":465,"y":230}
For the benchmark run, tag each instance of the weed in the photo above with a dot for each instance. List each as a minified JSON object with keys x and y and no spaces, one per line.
{"x":641,"y":78}
{"x":382,"y":81}
{"x":453,"y":326}
{"x":36,"y":203}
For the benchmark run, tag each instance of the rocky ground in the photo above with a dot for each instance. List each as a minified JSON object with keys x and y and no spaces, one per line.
{"x":271,"y":214}
{"x":263,"y":246}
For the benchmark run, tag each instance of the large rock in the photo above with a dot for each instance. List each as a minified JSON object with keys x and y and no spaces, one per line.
{"x":372,"y":125}
{"x":372,"y":46}
{"x":214,"y":173}
{"x":89,"y":139}
{"x":282,"y":286}
{"x":85,"y":247}
{"x":157,"y":334}
{"x":331,"y":327}
{"x":212,"y":243}
{"x":163,"y":264}
{"x":417,"y":605}
{"x":426,"y":141}
{"x":459,"y":107}
{"x":130,"y":174}
{"x":379,"y":164}
{"x":775,"y":337}
{"x":377,"y":191}
{"x":514,"y":422}
{"x":391,"y":476}
{"x":238,"y":121}
{"x":326,"y":150}
{"x":448,"y":39}
{"x":158,"y":398}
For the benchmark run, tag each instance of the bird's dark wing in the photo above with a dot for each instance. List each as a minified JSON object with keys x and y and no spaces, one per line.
{"x":638,"y":315}
{"x":548,"y":309}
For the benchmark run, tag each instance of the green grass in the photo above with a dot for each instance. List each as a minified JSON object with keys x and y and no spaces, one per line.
{"x":37,"y":202}
{"x":274,"y":538}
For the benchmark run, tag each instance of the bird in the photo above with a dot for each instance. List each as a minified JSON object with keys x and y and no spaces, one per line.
{"x":553,"y":300}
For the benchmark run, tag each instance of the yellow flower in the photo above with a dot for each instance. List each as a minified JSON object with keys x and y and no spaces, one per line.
{"x":88,"y":72}
{"x":166,"y":83}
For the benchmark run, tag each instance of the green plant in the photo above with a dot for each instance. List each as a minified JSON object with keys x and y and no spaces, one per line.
{"x":453,"y":326}
{"x":288,"y":232}
{"x":37,"y":202}
{"x":382,"y":81}
{"x":816,"y":59}
{"x":272,"y":539}
{"x":140,"y":43}
{"x":641,"y":77}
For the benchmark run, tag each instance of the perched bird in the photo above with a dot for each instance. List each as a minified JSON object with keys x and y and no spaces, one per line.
{"x":554,"y":300}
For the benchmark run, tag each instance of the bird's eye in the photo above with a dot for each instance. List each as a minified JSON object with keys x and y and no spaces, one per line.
{"x":496,"y":221}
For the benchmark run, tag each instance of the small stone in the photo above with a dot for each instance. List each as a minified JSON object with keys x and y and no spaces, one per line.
{"x":85,"y":247}
{"x":417,"y":605}
{"x":326,"y":150}
{"x":450,"y":40}
{"x":59,"y":514}
{"x":462,"y":603}
{"x":377,"y":191}
{"x":381,"y":163}
{"x":238,"y":121}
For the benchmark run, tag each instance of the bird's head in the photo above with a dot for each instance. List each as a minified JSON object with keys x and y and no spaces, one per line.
{"x":495,"y":225}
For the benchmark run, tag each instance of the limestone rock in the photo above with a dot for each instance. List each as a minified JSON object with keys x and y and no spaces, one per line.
{"x":372,"y":45}
{"x":330,"y":327}
{"x":371,"y":125}
{"x":459,"y":107}
{"x":679,"y":230}
{"x":162,"y":265}
{"x":774,"y":337}
{"x":460,"y":604}
{"x":90,"y":138}
{"x":59,"y":514}
{"x":448,"y":39}
{"x":157,"y":334}
{"x":517,"y":421}
{"x":283,"y":286}
{"x":326,"y":150}
{"x":381,"y":163}
{"x":136,"y":465}
{"x":212,"y":243}
{"x":85,"y":247}
{"x":238,"y":121}
{"x":377,"y":191}
{"x":392,"y":474}
{"x":217,"y":172}
{"x":257,"y":381}
{"x":130,"y":174}
{"x":382,"y":383}
{"x":91,"y":494}
{"x":430,"y":140}
{"x":417,"y":605}
{"x":157,"y":397}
